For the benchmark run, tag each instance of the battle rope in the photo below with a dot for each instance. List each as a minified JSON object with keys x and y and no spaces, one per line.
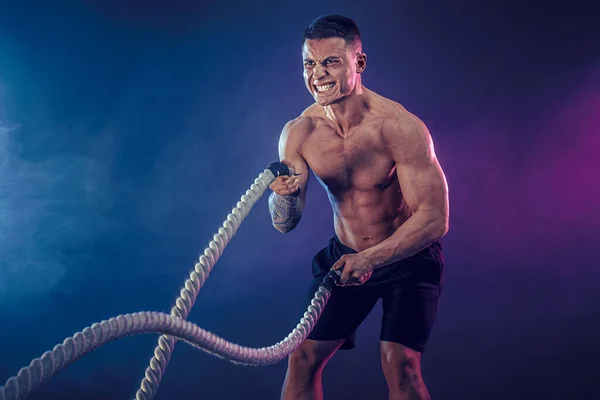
{"x":174,"y":326}
{"x":189,"y":292}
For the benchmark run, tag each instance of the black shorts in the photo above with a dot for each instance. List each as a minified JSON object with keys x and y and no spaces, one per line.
{"x":409,"y":290}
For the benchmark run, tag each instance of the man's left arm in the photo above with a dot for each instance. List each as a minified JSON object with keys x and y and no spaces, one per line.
{"x":423,"y":186}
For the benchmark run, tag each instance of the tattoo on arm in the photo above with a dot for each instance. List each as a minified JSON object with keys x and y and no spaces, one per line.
{"x":285,"y":211}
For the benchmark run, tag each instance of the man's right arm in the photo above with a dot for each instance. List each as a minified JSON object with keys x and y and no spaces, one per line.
{"x":289,"y":193}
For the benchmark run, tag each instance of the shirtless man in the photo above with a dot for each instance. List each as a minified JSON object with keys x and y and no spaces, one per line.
{"x":390,"y":203}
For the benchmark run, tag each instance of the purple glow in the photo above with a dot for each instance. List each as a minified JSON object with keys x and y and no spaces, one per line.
{"x":528,"y":188}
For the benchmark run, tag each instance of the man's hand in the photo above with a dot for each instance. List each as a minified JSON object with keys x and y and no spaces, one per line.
{"x":284,"y":185}
{"x":358,"y":269}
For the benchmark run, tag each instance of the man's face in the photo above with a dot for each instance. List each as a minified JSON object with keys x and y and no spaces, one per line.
{"x":331,"y":68}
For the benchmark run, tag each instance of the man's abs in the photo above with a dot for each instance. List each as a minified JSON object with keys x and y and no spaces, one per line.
{"x":364,"y":219}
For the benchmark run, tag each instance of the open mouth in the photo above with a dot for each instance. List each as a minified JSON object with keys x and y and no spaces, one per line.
{"x":326,"y":87}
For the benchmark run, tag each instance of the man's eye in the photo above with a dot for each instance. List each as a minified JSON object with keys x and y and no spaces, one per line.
{"x":309,"y":63}
{"x":327,"y":62}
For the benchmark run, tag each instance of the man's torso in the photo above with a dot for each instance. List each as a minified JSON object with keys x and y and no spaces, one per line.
{"x":358,"y":172}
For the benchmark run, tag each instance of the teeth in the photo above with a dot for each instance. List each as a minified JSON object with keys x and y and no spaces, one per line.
{"x":325,"y":88}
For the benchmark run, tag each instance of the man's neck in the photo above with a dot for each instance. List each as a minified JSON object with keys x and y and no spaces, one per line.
{"x":349,"y":112}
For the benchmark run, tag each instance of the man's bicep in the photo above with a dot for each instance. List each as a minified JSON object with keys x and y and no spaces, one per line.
{"x":424,"y":186}
{"x":291,"y":156}
{"x":421,"y":177}
{"x":289,"y":151}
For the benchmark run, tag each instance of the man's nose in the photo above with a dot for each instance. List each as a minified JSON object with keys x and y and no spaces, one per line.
{"x":319,"y":72}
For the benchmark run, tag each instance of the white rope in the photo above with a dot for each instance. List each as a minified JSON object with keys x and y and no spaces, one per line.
{"x":174,"y":326}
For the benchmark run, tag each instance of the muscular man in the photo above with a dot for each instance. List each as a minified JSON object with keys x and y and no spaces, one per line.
{"x":389,"y":196}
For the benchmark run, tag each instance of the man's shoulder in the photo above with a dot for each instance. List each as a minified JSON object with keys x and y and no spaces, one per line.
{"x":312,"y":114}
{"x":388,"y":109}
{"x":398,"y":122}
{"x":391,"y":112}
{"x":303,"y":123}
{"x":298,"y":126}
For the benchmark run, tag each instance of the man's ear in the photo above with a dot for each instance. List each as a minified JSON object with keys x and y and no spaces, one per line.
{"x":361,"y":62}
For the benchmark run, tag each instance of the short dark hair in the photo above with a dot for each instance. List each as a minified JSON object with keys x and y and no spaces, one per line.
{"x":330,"y":26}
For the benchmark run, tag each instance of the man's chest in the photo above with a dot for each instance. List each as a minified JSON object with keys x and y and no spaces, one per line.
{"x":360,"y":159}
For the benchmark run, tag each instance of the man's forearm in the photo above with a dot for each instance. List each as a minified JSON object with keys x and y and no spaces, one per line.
{"x":418,"y":232}
{"x":285,"y":211}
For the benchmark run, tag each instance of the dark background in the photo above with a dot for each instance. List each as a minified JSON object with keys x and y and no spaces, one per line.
{"x":129,"y":129}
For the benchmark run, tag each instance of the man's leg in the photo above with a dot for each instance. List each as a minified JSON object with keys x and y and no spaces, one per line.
{"x":402,"y":370}
{"x":346,"y":309}
{"x":408,"y":317}
{"x":305,"y":367}
{"x":335,"y":329}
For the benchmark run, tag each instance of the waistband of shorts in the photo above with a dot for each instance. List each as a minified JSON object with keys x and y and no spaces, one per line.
{"x":341,"y":246}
